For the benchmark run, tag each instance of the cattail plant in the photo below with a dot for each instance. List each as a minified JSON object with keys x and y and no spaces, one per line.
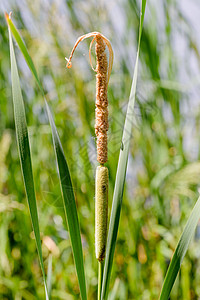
{"x":103,"y":70}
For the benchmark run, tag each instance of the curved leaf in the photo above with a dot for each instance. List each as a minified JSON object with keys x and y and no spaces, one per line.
{"x":64,"y":175}
{"x":24,"y":153}
{"x":180,"y":251}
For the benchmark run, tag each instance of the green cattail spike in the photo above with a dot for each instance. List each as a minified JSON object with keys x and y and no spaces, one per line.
{"x":101,"y":211}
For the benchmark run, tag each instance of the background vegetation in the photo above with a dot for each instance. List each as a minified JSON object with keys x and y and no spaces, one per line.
{"x":164,"y":167}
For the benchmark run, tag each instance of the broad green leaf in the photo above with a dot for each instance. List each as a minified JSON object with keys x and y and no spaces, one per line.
{"x":24,"y":152}
{"x":180,"y":251}
{"x":64,"y":175}
{"x":69,"y":203}
{"x":121,"y":174}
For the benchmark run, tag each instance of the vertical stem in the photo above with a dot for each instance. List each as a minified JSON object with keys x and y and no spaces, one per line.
{"x":49,"y":275}
{"x":100,"y":277}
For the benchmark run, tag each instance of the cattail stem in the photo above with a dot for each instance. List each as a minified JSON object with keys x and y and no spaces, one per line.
{"x":100,"y":277}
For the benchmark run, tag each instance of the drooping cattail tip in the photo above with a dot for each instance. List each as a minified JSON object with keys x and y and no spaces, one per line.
{"x":6,"y":15}
{"x":69,"y":63}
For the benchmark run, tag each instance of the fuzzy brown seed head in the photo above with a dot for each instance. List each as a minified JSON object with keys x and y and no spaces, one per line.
{"x":101,"y":121}
{"x":103,"y":71}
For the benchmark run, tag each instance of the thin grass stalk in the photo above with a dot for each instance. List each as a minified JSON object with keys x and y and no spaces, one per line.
{"x":100,"y":278}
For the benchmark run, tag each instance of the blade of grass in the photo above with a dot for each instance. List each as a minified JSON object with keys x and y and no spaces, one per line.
{"x":121,"y":173}
{"x":23,"y":49}
{"x":24,"y":152}
{"x":64,"y":175}
{"x":180,"y":251}
{"x":49,"y":275}
{"x":113,"y":293}
{"x":69,"y":204}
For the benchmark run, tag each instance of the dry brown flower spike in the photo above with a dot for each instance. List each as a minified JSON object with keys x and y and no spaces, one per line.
{"x":103,"y":70}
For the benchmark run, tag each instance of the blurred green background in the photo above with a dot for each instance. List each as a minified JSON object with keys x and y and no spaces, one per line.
{"x":164,"y":167}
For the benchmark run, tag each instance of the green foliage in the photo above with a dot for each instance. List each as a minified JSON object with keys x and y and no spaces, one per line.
{"x":64,"y":175}
{"x":163,"y":168}
{"x":24,"y":153}
{"x":69,"y":205}
{"x":121,"y":174}
{"x":180,"y":252}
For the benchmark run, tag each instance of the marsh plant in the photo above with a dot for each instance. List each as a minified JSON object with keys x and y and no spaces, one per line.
{"x":105,"y":235}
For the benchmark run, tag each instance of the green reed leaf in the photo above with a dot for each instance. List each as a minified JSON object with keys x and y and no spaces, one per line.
{"x":180,"y":251}
{"x":69,"y":204}
{"x":24,"y":152}
{"x":121,"y":173}
{"x":64,"y":175}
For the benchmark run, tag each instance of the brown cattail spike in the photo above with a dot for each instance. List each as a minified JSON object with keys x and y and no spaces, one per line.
{"x":103,"y":74}
{"x":103,"y":70}
{"x":101,"y":124}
